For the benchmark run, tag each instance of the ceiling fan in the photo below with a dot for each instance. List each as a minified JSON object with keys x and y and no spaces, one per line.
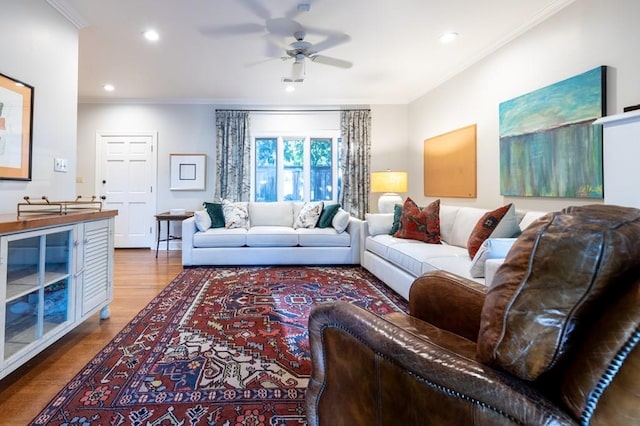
{"x":276,"y":29}
{"x":300,"y":50}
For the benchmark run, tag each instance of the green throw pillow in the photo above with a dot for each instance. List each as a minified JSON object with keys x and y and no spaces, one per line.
{"x":326,"y":217}
{"x":397,"y":213}
{"x":215,"y":213}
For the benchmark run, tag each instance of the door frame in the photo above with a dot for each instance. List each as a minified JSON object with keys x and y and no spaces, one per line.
{"x":154,"y":170}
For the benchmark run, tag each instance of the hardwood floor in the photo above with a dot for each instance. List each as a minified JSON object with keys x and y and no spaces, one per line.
{"x":138,"y":277}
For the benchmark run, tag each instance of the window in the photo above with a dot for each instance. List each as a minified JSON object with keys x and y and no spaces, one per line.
{"x":296,"y":168}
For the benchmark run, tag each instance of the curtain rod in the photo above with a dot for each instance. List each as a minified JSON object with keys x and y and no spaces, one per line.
{"x":294,"y":110}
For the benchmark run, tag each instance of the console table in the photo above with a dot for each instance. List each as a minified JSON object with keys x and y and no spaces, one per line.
{"x":168,"y":217}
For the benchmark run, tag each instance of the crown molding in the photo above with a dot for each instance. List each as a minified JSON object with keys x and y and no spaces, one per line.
{"x":68,"y":12}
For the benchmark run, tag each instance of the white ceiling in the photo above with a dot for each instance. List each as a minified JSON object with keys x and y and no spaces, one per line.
{"x":221,"y":51}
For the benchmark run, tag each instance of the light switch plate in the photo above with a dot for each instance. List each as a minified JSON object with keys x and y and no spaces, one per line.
{"x":60,"y":165}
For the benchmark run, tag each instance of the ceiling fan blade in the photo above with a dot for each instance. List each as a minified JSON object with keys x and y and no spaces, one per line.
{"x":260,"y":62}
{"x":333,"y":39}
{"x":334,"y":62}
{"x":257,"y":9}
{"x":240,"y":29}
{"x":283,"y":27}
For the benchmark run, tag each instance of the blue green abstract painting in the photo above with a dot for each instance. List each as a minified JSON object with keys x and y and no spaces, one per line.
{"x":548,"y":144}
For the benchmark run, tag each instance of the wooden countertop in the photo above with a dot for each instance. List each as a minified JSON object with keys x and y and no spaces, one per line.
{"x":10,"y":223}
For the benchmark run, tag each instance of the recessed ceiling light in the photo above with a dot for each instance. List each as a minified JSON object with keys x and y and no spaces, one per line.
{"x":448,"y":37}
{"x":151,"y":35}
{"x":109,"y":87}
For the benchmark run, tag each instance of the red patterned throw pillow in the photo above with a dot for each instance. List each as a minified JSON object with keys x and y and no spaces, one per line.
{"x":420,"y":224}
{"x":485,"y":226}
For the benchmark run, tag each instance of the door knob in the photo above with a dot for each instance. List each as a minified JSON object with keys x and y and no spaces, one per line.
{"x":103,"y":197}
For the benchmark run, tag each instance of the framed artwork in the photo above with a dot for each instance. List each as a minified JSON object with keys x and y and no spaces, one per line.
{"x":549,"y":146}
{"x":450,"y":164}
{"x":188,"y":172}
{"x":16,"y":116}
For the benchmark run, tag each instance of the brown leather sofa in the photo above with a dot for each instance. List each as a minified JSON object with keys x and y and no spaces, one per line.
{"x":552,"y":342}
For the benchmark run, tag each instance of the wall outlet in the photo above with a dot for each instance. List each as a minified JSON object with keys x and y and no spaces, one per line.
{"x":60,"y":165}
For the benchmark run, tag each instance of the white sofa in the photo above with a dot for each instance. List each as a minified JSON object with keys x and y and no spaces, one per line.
{"x":271,"y":239}
{"x":398,"y":262}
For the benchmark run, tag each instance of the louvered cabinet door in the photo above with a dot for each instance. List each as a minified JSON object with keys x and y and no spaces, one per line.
{"x":95,"y":262}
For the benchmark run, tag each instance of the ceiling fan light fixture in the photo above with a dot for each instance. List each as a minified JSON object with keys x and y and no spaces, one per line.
{"x":290,"y":88}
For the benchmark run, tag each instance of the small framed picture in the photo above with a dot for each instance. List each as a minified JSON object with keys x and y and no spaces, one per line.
{"x":188,"y":172}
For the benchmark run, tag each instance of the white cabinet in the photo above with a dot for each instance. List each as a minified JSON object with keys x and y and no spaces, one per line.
{"x":51,"y":279}
{"x":620,"y":154}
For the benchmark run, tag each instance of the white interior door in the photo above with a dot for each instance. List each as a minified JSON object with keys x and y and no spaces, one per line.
{"x":126,"y":180}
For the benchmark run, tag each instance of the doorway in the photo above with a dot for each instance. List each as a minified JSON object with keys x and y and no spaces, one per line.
{"x":126,"y":181}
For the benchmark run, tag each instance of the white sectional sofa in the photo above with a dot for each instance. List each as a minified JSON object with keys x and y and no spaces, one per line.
{"x":398,"y":262}
{"x":270,"y":238}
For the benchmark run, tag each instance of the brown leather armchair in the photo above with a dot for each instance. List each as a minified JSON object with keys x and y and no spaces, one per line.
{"x":553,"y":341}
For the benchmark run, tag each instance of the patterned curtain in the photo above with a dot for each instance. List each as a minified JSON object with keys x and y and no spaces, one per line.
{"x":233,"y":156}
{"x":356,"y":159}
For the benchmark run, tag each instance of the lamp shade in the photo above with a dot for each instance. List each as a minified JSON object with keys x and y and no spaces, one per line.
{"x":388,"y":181}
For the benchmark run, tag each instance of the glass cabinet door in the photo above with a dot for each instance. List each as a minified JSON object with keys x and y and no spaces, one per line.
{"x":38,"y":281}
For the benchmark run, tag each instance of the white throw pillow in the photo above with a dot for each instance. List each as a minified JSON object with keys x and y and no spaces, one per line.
{"x":309,"y":215}
{"x":491,"y":248}
{"x":379,"y":223}
{"x":202,"y":219}
{"x":508,"y":225}
{"x":340,"y":221}
{"x":236,"y":215}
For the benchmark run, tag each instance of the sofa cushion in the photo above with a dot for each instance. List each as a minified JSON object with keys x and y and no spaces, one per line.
{"x":412,"y":255}
{"x":379,"y":223}
{"x":215,"y":213}
{"x":322,"y":237}
{"x":220,"y":237}
{"x":380,"y":244}
{"x":458,"y":265}
{"x":271,"y":214}
{"x":447,"y":219}
{"x":309,"y":215}
{"x":485,"y":226}
{"x":465,"y":220}
{"x":328,"y":213}
{"x":340,"y":221}
{"x":236,"y":215}
{"x":202,"y":220}
{"x":272,"y":236}
{"x":542,"y":297}
{"x":420,"y":224}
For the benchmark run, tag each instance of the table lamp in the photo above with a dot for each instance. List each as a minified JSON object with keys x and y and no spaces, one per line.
{"x":389,"y":183}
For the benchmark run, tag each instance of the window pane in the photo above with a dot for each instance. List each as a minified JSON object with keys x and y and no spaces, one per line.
{"x":293,"y":184}
{"x":321,"y":176}
{"x":266,"y":181}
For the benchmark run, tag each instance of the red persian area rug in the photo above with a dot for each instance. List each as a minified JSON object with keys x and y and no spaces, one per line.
{"x":218,"y":346}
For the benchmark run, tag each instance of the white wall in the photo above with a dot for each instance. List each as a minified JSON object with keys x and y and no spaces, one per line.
{"x":390,"y":144}
{"x":40,"y":47}
{"x":191,"y":129}
{"x":181,"y":129}
{"x":586,"y":34}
